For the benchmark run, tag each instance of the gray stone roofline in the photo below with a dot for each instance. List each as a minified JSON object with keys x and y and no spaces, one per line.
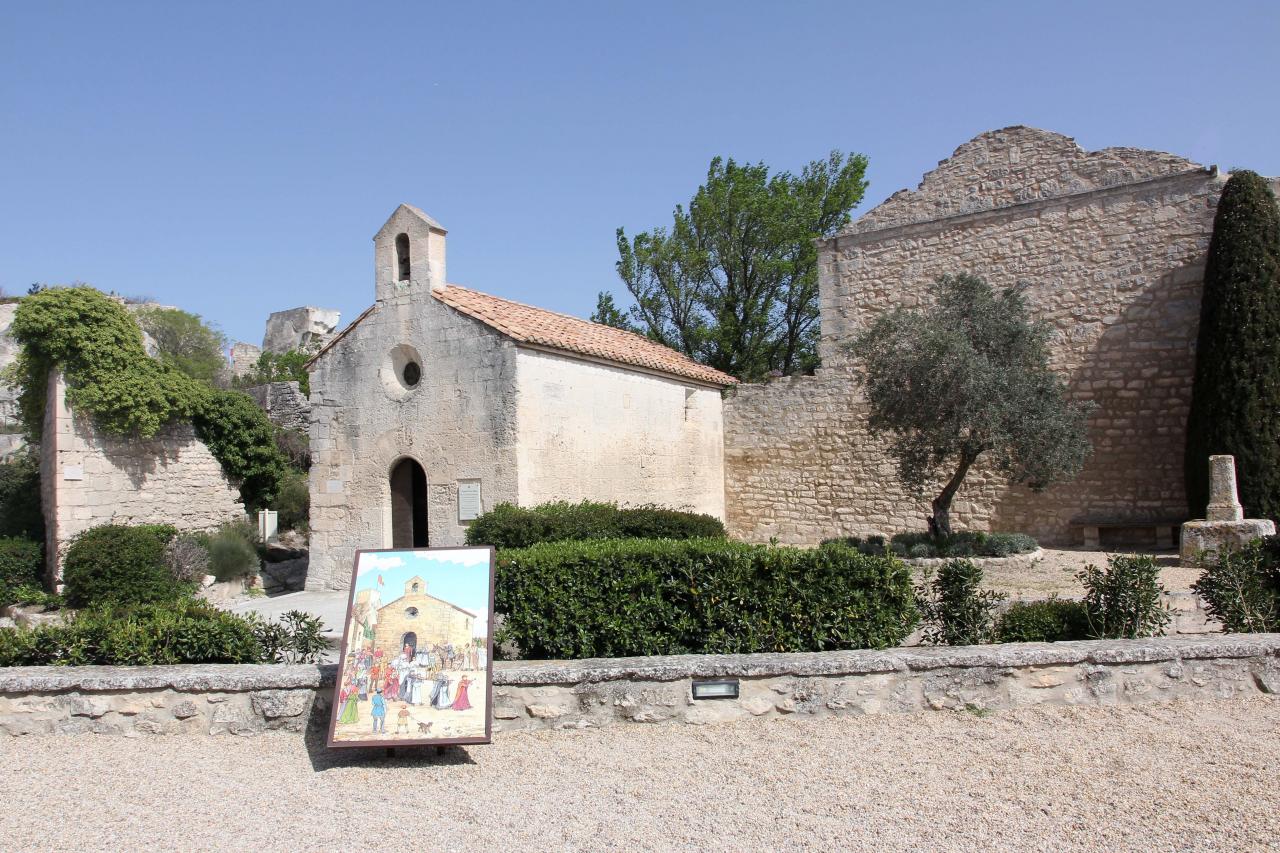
{"x":909,"y":229}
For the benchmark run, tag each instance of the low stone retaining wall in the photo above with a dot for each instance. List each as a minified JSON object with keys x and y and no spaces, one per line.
{"x":1013,"y":561}
{"x":246,"y":700}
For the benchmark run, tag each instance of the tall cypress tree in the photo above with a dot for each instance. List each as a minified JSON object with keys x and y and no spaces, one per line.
{"x":1235,"y":402}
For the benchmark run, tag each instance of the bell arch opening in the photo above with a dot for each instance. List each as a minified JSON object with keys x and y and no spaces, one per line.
{"x":408,"y":505}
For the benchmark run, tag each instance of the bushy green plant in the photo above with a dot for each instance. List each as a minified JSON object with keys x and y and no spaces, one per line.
{"x":31,"y":594}
{"x":21,"y":562}
{"x":233,"y":551}
{"x":186,"y":342}
{"x":1123,"y":601}
{"x":1050,"y":621}
{"x":243,"y":440}
{"x":20,"y":510}
{"x":954,"y":609}
{"x":120,"y":565}
{"x":617,"y":597}
{"x":288,"y":366}
{"x":296,"y":638}
{"x":293,"y":502}
{"x":184,"y":631}
{"x":963,"y":544}
{"x":1241,"y":588}
{"x":510,"y":526}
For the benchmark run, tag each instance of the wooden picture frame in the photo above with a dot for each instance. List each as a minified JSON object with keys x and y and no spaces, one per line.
{"x":426,"y":660}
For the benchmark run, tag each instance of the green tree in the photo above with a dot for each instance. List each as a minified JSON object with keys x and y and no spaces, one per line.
{"x":288,"y":366}
{"x":1235,"y":400}
{"x":186,"y":342}
{"x":608,"y":314}
{"x":965,"y":376}
{"x":734,"y":282}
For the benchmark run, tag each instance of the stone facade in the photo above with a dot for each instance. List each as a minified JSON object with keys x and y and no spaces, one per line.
{"x":305,"y":328}
{"x":250,"y":700}
{"x":284,"y":403}
{"x":1110,"y":247}
{"x":244,"y":358}
{"x":414,"y":378}
{"x":414,"y":612}
{"x":89,"y":479}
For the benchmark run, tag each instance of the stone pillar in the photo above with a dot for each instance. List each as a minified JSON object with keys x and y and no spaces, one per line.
{"x":1224,"y":503}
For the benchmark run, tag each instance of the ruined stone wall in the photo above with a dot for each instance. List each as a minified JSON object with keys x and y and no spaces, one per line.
{"x":89,"y":479}
{"x":593,"y":431}
{"x":284,"y":404}
{"x":1110,"y":247}
{"x":458,"y":423}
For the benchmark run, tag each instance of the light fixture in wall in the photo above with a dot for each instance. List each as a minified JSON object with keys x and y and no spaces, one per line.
{"x":724,"y":688}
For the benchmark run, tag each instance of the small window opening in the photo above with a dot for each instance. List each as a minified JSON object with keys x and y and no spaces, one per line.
{"x":412,"y":374}
{"x":402,"y":256}
{"x":411,"y":613}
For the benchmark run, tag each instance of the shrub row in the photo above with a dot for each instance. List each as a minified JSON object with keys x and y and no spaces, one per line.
{"x":622,"y":597}
{"x":1241,"y":589}
{"x":510,"y":526}
{"x":187,"y":631}
{"x":925,"y":545}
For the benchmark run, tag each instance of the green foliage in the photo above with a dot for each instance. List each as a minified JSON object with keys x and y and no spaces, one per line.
{"x":32,"y":594}
{"x":187,"y":631}
{"x":1123,"y":601}
{"x":510,"y":526}
{"x":186,"y":343}
{"x":966,"y":376}
{"x":20,"y":511}
{"x":293,"y":502}
{"x":954,"y":609}
{"x":241,"y":437}
{"x":109,"y":375}
{"x":608,"y":314}
{"x":1051,"y":621}
{"x":233,"y":551}
{"x":925,"y":545}
{"x":734,"y":282}
{"x":1236,"y":393}
{"x":296,"y":638}
{"x":21,"y":564}
{"x":288,"y":366}
{"x":1241,"y":588}
{"x":120,"y":565}
{"x":617,"y":597}
{"x":295,"y":447}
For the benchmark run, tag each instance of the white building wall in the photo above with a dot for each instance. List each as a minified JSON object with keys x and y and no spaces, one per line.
{"x":592,"y":431}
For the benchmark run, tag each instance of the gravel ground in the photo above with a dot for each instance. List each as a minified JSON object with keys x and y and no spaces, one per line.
{"x":1182,"y":776}
{"x":1054,"y":573}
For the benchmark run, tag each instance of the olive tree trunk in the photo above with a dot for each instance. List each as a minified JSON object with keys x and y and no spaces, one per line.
{"x":940,"y":521}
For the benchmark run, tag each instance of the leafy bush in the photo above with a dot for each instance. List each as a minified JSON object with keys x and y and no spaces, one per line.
{"x":288,"y":366}
{"x":953,"y":608}
{"x":293,"y":502}
{"x":925,"y":545}
{"x":510,"y":526}
{"x":233,"y":551}
{"x":20,"y":510}
{"x":186,"y":342}
{"x":296,"y":638}
{"x":1241,"y":588}
{"x":188,"y":631}
{"x":239,"y":434}
{"x":187,"y":558}
{"x":21,"y":562}
{"x":1050,"y":621}
{"x":622,"y":597}
{"x":30,"y":594}
{"x":118,"y":564}
{"x":1123,"y":601}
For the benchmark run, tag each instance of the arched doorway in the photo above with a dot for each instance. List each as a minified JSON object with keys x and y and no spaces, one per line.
{"x":408,"y":505}
{"x":409,"y":641}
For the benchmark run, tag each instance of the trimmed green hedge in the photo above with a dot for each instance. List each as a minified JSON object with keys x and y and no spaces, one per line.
{"x":511,"y":526}
{"x":925,"y":545}
{"x":119,"y":564}
{"x":1051,"y":621}
{"x":623,"y":597}
{"x":21,"y":561}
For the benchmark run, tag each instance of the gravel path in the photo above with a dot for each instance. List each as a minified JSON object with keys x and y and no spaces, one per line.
{"x":1183,"y":776}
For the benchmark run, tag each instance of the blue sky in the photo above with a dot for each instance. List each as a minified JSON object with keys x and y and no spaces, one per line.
{"x":236,"y":158}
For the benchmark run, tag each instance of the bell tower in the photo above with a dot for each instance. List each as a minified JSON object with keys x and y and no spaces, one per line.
{"x":408,"y":254}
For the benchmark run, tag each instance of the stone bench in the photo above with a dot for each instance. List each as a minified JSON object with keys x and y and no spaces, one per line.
{"x":1165,"y":529}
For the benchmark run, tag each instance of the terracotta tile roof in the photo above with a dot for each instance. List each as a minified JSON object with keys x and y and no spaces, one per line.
{"x":530,"y":325}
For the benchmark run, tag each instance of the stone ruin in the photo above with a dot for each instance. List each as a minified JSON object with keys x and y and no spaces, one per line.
{"x":1224,"y":526}
{"x":306,"y":328}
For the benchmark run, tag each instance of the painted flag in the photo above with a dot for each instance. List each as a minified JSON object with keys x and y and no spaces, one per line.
{"x":380,"y":583}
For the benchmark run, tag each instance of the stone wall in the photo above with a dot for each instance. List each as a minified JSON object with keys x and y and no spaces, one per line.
{"x":598,"y":432}
{"x":284,"y":403}
{"x":1110,"y":248}
{"x":249,"y":700}
{"x":305,"y":328}
{"x":89,"y":479}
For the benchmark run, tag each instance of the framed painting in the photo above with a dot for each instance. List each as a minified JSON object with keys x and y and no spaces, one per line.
{"x":416,"y":666}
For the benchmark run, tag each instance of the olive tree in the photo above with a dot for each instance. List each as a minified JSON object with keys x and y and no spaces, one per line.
{"x":964,"y":377}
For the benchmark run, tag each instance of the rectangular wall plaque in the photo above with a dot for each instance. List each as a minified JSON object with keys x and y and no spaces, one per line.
{"x":73,"y":472}
{"x":468,"y":500}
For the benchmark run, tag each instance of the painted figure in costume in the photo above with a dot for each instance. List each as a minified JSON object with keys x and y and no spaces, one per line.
{"x":402,"y":719}
{"x":379,"y":713}
{"x":362,"y":686}
{"x":350,"y":714}
{"x":391,"y":689}
{"x":440,"y":692}
{"x":461,"y":703}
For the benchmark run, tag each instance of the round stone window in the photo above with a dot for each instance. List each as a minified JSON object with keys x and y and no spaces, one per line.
{"x":411,"y":613}
{"x":401,"y":373}
{"x":412,"y":374}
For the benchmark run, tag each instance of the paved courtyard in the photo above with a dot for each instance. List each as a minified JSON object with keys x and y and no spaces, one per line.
{"x":1183,"y":776}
